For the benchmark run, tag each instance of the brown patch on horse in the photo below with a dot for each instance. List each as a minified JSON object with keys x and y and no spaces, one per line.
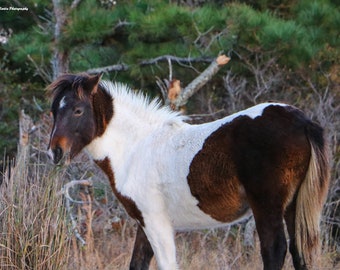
{"x":213,"y":180}
{"x":103,"y":110}
{"x":128,"y":203}
{"x":265,"y":154}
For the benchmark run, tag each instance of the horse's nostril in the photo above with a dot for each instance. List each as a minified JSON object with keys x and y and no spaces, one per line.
{"x":57,"y":154}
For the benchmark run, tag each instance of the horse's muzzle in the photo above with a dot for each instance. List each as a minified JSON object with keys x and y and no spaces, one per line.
{"x":56,"y":154}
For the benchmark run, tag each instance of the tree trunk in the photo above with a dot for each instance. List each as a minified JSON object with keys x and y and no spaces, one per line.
{"x":60,"y":60}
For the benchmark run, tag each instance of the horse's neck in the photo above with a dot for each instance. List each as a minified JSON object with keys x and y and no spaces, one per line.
{"x":126,"y":129}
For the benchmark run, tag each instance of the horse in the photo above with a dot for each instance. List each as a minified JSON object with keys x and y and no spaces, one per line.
{"x":270,"y":161}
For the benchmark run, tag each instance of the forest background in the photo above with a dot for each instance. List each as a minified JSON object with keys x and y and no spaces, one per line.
{"x":280,"y":50}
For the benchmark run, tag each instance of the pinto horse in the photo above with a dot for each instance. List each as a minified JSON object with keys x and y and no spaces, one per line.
{"x":269,"y":160}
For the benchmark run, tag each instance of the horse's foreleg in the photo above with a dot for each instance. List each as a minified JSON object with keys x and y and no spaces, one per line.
{"x":142,"y":252}
{"x":160,"y":233}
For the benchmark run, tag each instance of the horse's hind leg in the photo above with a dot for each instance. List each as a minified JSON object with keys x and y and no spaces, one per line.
{"x":290,"y":222}
{"x":270,"y":228}
{"x":142,"y":252}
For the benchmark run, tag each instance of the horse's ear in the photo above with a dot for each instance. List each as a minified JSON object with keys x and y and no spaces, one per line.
{"x":91,"y":84}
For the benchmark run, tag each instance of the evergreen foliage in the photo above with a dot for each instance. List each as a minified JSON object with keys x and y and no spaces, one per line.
{"x":154,"y":28}
{"x":88,"y":24}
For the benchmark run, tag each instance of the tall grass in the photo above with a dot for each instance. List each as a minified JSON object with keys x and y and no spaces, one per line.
{"x":33,"y":227}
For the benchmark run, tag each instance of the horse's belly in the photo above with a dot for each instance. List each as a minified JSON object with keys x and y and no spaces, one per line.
{"x":194,"y":220}
{"x":185,"y":213}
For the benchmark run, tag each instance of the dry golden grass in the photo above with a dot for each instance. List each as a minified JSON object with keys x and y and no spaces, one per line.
{"x":204,"y":250}
{"x":33,"y":231}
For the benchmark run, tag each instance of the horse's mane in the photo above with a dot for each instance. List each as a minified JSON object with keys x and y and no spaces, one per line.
{"x":67,"y":81}
{"x":139,"y":103}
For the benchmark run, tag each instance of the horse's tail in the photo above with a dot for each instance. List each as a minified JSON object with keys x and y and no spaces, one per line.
{"x":311,"y":197}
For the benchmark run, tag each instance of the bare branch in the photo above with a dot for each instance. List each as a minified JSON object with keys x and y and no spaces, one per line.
{"x":118,"y":67}
{"x":197,"y":117}
{"x":201,"y":80}
{"x":26,"y":127}
{"x":121,"y":24}
{"x":163,"y":58}
{"x":181,"y":60}
{"x":69,"y":200}
{"x":75,"y":4}
{"x":66,"y":187}
{"x":170,"y":69}
{"x":235,"y":87}
{"x":163,"y":86}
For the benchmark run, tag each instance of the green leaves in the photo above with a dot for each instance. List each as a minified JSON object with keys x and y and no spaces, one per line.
{"x":321,"y":19}
{"x":132,"y":31}
{"x":33,"y":43}
{"x":298,"y":41}
{"x":169,"y":23}
{"x":88,"y":23}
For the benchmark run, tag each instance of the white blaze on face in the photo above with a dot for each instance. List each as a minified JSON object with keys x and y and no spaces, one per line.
{"x":50,"y":153}
{"x":62,"y":103}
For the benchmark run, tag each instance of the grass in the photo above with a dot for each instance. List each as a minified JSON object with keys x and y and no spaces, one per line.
{"x":33,"y":228}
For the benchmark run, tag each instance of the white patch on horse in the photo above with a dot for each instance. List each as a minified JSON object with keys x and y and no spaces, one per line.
{"x":62,"y":103}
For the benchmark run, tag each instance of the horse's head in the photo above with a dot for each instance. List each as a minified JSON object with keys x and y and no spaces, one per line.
{"x":74,"y":124}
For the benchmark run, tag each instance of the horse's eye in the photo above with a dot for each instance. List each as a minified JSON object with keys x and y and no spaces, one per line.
{"x":78,"y":111}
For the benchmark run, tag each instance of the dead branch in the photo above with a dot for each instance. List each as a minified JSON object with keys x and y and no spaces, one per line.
{"x":121,"y":24}
{"x":163,"y":86}
{"x":75,"y":3}
{"x":163,"y":58}
{"x":199,"y":81}
{"x":26,"y":127}
{"x":118,"y":67}
{"x":180,"y":60}
{"x":65,"y":191}
{"x":236,"y":88}
{"x":200,"y":116}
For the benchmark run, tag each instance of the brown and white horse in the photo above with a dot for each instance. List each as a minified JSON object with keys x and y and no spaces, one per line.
{"x":269,"y":160}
